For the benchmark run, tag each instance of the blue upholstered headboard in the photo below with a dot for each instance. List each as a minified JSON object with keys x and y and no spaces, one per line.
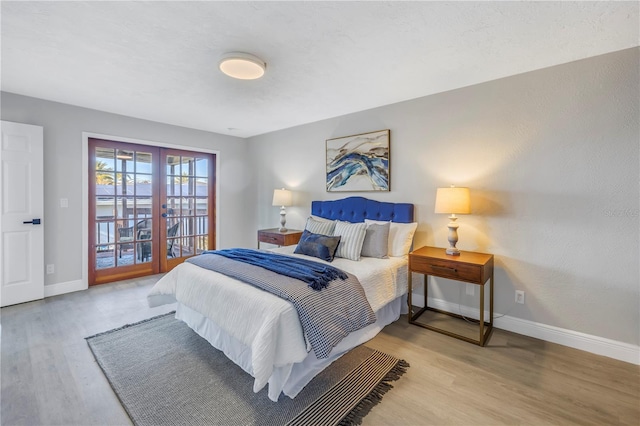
{"x":357,"y":209}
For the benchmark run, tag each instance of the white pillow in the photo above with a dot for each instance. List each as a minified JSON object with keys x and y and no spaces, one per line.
{"x":400,"y":236}
{"x":318,"y":225}
{"x":322,"y":219}
{"x":351,"y":239}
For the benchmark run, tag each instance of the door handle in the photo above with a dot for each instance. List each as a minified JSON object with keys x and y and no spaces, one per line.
{"x":164,"y":215}
{"x":33,"y":222}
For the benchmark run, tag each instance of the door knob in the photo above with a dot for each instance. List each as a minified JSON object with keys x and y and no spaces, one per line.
{"x":33,"y":222}
{"x":164,"y":206}
{"x":164,"y":215}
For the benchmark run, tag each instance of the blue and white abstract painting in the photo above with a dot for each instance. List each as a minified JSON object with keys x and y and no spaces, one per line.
{"x":358,"y":162}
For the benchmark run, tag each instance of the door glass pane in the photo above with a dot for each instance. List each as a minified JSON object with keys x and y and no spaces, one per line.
{"x":188,"y":205}
{"x":124,"y":255}
{"x":143,"y":207}
{"x":124,"y":183}
{"x":202,"y":167}
{"x":105,"y":182}
{"x":105,"y":207}
{"x":187,"y":226}
{"x":202,"y":243}
{"x":143,"y":162}
{"x":202,"y":206}
{"x":125,"y":207}
{"x":143,"y":252}
{"x":173,"y":247}
{"x":126,"y":230}
{"x":202,"y":225}
{"x":187,"y":246}
{"x":143,"y":185}
{"x":124,"y":161}
{"x":188,"y":186}
{"x":202,"y":189}
{"x":105,"y":233}
{"x":105,"y":159}
{"x":105,"y":256}
{"x":188,"y":166}
{"x":144,"y":229}
{"x":173,"y":165}
{"x":173,"y":186}
{"x":173,"y":206}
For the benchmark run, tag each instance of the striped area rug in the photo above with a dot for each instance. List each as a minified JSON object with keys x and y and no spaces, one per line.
{"x":164,"y":373}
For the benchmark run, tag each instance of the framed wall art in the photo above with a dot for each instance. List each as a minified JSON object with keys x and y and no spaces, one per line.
{"x":358,"y":162}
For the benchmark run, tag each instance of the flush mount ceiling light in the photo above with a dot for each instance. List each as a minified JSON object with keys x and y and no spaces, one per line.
{"x":243,"y":66}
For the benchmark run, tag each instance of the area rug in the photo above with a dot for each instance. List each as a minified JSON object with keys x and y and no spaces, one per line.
{"x":165,"y":374}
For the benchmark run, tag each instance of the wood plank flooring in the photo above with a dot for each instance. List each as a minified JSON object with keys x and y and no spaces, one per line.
{"x":49,"y":376}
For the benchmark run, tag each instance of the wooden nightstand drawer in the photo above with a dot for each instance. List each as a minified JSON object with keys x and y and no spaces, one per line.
{"x":446,"y":269}
{"x":273,"y":236}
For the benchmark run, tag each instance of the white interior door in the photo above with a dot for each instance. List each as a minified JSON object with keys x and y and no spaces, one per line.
{"x":21,"y":210}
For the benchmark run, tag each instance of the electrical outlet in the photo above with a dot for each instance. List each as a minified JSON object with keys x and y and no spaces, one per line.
{"x":50,"y":269}
{"x":470,"y":289}
{"x":520,"y":297}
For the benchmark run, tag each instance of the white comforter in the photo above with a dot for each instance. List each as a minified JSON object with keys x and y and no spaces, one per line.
{"x":265,"y":323}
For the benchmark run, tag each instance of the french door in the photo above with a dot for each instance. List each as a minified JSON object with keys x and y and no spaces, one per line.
{"x":150,"y":208}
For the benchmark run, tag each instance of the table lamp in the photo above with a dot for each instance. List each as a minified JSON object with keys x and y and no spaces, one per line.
{"x":453,"y":201}
{"x":282,"y":198}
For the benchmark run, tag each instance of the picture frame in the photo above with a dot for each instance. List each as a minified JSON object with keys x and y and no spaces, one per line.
{"x":359,"y":163}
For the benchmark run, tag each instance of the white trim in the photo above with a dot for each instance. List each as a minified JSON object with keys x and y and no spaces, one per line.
{"x":66,"y":287}
{"x":574,"y":339}
{"x":85,"y":187}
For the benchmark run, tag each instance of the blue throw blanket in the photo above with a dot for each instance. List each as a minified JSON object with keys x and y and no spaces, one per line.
{"x":326,"y":316}
{"x":316,"y":275}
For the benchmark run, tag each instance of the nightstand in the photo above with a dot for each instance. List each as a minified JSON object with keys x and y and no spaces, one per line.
{"x":469,"y":267}
{"x":274,"y":236}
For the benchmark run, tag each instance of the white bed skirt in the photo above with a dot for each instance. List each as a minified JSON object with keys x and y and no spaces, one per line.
{"x":289,"y":379}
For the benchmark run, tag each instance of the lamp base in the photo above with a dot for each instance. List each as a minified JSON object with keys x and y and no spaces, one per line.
{"x":453,"y":236}
{"x":283,"y":219}
{"x":453,"y":251}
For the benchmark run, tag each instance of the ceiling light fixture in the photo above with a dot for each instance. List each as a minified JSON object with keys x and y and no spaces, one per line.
{"x":243,"y":66}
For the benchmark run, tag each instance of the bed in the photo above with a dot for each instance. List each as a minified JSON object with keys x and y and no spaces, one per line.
{"x":262,"y":333}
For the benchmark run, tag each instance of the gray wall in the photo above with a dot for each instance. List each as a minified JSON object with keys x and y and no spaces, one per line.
{"x":552,"y":160}
{"x":551,"y":157}
{"x":63,"y":127}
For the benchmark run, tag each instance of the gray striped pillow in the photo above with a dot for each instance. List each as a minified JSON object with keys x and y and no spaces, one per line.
{"x":351,"y":239}
{"x":320,"y":226}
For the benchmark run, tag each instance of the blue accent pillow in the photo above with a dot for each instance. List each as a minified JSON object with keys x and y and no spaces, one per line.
{"x":317,"y":245}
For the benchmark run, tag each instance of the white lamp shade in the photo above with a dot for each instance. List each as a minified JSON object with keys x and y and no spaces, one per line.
{"x":453,"y":201}
{"x":243,"y":66}
{"x":282,"y":197}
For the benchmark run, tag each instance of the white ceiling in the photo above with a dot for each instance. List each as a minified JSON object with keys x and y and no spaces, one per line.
{"x":158,"y":60}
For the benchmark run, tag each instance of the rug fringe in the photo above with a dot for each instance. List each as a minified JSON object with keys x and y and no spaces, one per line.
{"x":357,"y":414}
{"x":130,"y":325}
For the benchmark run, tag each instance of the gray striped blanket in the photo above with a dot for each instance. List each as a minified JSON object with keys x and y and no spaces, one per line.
{"x":326,"y":316}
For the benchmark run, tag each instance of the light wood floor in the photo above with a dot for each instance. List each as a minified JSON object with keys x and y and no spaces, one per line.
{"x":49,"y":376}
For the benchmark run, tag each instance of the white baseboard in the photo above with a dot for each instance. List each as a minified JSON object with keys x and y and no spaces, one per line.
{"x":562,"y":336}
{"x":62,"y":288}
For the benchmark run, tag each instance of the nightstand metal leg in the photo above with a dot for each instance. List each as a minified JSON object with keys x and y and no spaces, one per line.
{"x":491,"y":301}
{"x":409,"y":290}
{"x":481,"y":339}
{"x":426,"y":289}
